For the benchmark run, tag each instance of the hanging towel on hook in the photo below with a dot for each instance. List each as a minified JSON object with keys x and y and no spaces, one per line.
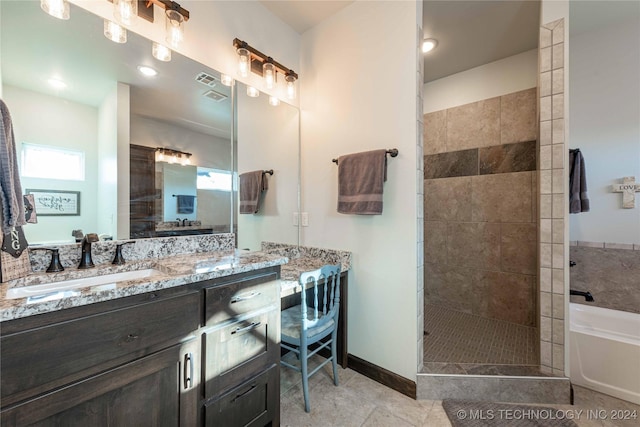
{"x":10,"y":188}
{"x":578,"y":199}
{"x":252,"y":184}
{"x":360,"y":182}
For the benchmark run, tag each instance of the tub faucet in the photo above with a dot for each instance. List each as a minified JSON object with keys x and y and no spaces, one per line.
{"x":85,"y":257}
{"x":587,"y":295}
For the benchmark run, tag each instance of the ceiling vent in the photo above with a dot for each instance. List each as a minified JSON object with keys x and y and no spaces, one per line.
{"x":216,"y":96}
{"x":206,"y":79}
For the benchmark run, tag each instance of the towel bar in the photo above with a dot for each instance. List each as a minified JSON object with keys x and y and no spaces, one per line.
{"x":270,"y":172}
{"x":393,"y":152}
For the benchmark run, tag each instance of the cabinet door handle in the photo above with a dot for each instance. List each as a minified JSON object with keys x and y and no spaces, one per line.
{"x":244,"y":393}
{"x":187,"y":373}
{"x":246,"y":328}
{"x":245,"y":297}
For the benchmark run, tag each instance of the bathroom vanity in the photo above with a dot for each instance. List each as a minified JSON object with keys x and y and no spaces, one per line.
{"x":197,"y":344}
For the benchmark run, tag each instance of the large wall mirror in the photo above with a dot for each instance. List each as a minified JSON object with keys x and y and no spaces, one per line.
{"x":111,"y":120}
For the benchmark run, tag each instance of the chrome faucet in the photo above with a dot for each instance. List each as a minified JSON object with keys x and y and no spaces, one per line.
{"x":85,"y":258}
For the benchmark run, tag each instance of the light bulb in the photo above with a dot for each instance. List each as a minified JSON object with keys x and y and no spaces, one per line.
{"x":428,"y":45}
{"x":252,"y":92}
{"x":160,"y":156}
{"x":273,"y":100}
{"x":174,"y":28}
{"x":56,"y":8}
{"x":186,"y":161}
{"x":226,"y":79}
{"x":114,"y":32}
{"x":244,"y":61}
{"x":269,"y":74}
{"x":291,"y":87}
{"x":147,"y":71}
{"x":125,"y":11}
{"x":161,"y":52}
{"x":173,"y":159}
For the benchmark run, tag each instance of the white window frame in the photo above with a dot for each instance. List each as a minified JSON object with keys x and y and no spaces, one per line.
{"x":51,"y":162}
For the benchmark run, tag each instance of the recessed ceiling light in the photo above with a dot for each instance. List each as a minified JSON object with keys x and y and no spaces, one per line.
{"x":428,"y":45}
{"x":147,"y":71}
{"x":57,"y":83}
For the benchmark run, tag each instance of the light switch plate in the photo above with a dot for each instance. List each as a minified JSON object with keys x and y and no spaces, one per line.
{"x":295,"y":218}
{"x":305,"y":219}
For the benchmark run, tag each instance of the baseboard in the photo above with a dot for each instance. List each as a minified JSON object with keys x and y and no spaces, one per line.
{"x":383,"y":376}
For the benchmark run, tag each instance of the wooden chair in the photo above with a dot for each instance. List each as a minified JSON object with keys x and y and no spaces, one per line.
{"x":306,"y":324}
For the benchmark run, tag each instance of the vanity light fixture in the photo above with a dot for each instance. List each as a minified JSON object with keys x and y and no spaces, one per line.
{"x":226,"y":79}
{"x":125,"y":11}
{"x":161,"y":52}
{"x":170,"y":155}
{"x":252,"y":92}
{"x":114,"y":32}
{"x":428,"y":45}
{"x":274,"y":100}
{"x":56,"y":8}
{"x":147,"y":71}
{"x":175,"y":17}
{"x":250,"y":59}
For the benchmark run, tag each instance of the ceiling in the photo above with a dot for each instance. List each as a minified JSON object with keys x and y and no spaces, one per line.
{"x":470,"y":33}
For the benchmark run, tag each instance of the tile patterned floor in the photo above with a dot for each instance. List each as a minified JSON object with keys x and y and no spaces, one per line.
{"x":361,"y":402}
{"x":456,"y":337}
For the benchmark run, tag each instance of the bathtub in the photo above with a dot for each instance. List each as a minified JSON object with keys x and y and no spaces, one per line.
{"x":605,"y":351}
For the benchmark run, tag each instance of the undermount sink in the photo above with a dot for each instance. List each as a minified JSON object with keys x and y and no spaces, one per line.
{"x":66,"y":288}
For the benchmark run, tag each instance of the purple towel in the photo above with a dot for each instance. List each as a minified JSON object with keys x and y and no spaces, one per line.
{"x":360,"y":180}
{"x":10,"y":188}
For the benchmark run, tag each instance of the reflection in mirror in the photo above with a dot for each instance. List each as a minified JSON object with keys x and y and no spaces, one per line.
{"x":107,"y":107}
{"x":268,"y":138}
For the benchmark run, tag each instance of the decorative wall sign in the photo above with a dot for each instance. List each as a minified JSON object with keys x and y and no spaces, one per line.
{"x":628,"y":188}
{"x":56,"y":202}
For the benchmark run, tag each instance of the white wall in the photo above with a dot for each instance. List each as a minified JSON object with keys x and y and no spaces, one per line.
{"x":123,"y":115}
{"x":268,"y":139}
{"x":46,"y":120}
{"x":108,"y":164}
{"x":508,"y":75}
{"x":359,"y":93}
{"x":605,"y":125}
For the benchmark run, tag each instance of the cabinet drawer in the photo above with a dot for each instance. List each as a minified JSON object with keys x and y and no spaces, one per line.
{"x":41,"y":359}
{"x":240,"y":350}
{"x":227,"y":301}
{"x":255,"y":403}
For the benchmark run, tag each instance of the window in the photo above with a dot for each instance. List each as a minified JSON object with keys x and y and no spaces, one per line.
{"x":213,"y":179}
{"x":42,"y":161}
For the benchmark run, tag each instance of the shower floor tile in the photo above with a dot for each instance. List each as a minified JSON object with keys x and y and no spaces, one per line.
{"x":453,"y":337}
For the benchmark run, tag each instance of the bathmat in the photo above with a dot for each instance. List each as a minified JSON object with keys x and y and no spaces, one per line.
{"x":469,"y":413}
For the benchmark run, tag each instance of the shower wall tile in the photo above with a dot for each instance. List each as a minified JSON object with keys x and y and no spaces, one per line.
{"x":545,"y":255}
{"x":557,"y":56}
{"x":474,"y":125}
{"x":511,"y":296}
{"x":557,"y":301}
{"x":557,"y":181}
{"x":504,"y":197}
{"x":557,"y":154}
{"x":435,"y":132}
{"x":557,"y":206}
{"x":519,"y":247}
{"x":545,"y":83}
{"x":545,"y":157}
{"x":449,"y":286}
{"x":557,"y":281}
{"x":545,"y":108}
{"x":558,"y":356}
{"x":516,"y":157}
{"x":557,"y":106}
{"x":546,"y":279}
{"x":545,"y":353}
{"x":545,"y":37}
{"x":448,"y":199}
{"x":451,"y":164}
{"x":558,"y":331}
{"x":545,"y":304}
{"x":474,"y":244}
{"x":545,"y":230}
{"x":557,"y":256}
{"x":558,"y":231}
{"x":435,"y":242}
{"x":545,"y":59}
{"x":557,"y":81}
{"x":545,"y":132}
{"x":545,"y":206}
{"x":518,"y":117}
{"x":545,"y":329}
{"x":558,"y":32}
{"x":557,"y":131}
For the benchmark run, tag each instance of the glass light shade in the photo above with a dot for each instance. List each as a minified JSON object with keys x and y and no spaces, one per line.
{"x":291,"y":87}
{"x":159,"y":156}
{"x":428,"y":45}
{"x":273,"y":100}
{"x":252,"y":92}
{"x":226,"y":79}
{"x":125,"y":11}
{"x":269,"y":74}
{"x":185,"y":160}
{"x":174,"y":28}
{"x":244,"y":61}
{"x":56,"y":8}
{"x":173,"y":159}
{"x":114,"y":32}
{"x":160,"y":52}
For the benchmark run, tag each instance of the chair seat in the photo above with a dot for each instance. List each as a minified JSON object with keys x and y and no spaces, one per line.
{"x":290,"y":324}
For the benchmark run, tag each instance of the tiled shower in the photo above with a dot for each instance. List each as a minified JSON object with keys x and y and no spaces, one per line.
{"x":480,"y":233}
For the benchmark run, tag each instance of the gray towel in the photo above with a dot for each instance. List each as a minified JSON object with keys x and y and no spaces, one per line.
{"x":252,"y":184}
{"x":578,"y":199}
{"x":360,"y":180}
{"x":185,"y":203}
{"x":10,"y":188}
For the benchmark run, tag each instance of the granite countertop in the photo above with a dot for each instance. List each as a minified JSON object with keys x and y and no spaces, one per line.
{"x":171,"y":271}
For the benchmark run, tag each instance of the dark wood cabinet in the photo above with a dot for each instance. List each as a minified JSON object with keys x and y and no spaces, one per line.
{"x":147,"y":360}
{"x":142,"y":195}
